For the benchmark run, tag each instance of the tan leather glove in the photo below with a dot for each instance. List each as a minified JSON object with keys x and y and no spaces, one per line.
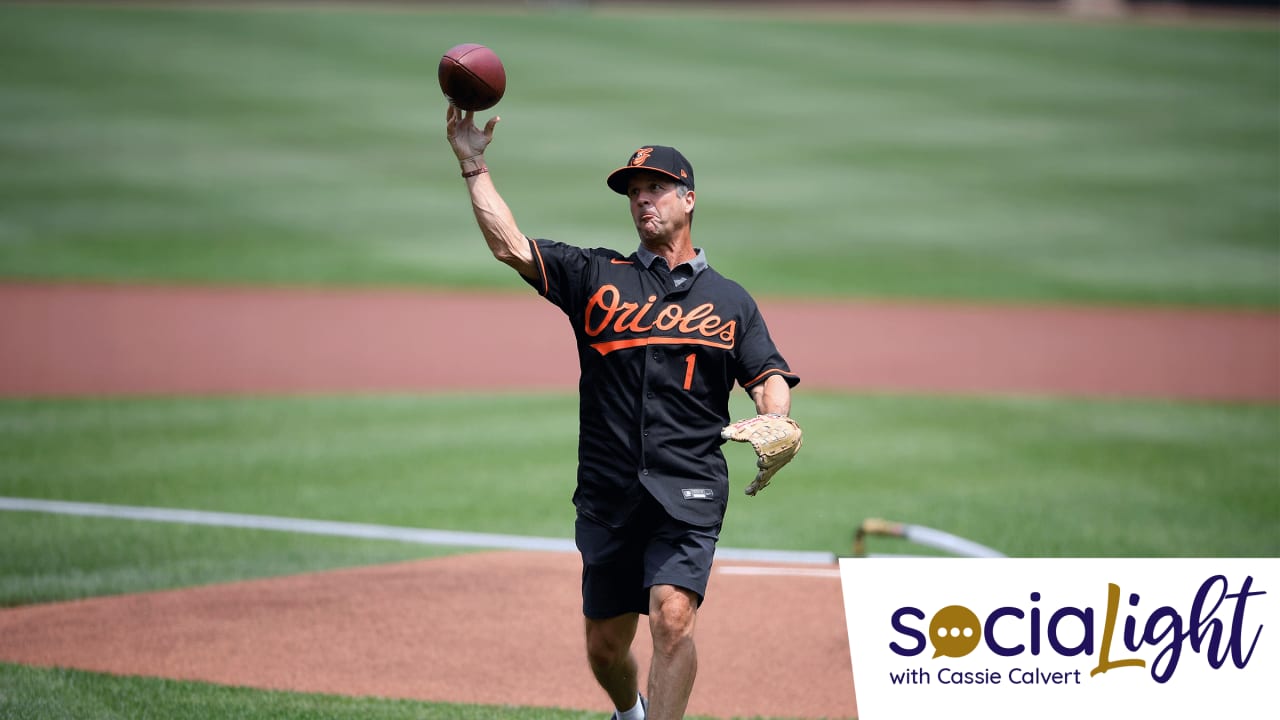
{"x":775,"y":438}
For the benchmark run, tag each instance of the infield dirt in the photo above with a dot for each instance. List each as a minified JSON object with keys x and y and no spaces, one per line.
{"x":108,"y":339}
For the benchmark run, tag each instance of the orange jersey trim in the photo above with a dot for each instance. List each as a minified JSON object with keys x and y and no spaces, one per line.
{"x":604,"y":348}
{"x":542,"y":266}
{"x":765,"y":374}
{"x":616,"y":261}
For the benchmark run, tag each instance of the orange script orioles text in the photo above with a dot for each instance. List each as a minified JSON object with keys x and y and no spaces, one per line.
{"x":699,"y":326}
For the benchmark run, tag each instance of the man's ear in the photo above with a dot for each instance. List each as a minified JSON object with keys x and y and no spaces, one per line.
{"x":690,"y":199}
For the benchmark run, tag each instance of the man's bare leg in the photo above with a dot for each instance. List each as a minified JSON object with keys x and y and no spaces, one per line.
{"x":672,"y":613}
{"x":609,"y":654}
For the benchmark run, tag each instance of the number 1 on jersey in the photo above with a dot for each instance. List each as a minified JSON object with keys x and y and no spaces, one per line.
{"x":689,"y":359}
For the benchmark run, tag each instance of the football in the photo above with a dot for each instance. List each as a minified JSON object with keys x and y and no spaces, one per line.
{"x":472,"y":77}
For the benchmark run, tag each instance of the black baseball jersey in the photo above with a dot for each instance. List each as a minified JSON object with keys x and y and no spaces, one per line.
{"x":658,"y":365}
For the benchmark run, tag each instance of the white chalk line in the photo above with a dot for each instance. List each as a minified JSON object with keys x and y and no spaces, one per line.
{"x":421,"y":536}
{"x":778,"y":571}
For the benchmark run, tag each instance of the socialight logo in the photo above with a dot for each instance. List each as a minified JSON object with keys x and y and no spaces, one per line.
{"x":1062,"y":638}
{"x":1157,"y":634}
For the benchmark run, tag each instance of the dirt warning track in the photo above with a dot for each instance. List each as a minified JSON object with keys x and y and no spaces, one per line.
{"x":108,"y":339}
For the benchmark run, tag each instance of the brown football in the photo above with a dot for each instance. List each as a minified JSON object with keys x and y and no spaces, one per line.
{"x":472,"y":77}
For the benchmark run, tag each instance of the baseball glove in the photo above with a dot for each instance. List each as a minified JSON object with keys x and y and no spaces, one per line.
{"x":776,"y":439}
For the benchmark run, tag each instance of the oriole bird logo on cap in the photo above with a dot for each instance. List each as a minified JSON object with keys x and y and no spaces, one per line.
{"x":660,"y":159}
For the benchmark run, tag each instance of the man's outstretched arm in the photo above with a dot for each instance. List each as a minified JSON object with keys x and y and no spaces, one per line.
{"x":496,"y":222}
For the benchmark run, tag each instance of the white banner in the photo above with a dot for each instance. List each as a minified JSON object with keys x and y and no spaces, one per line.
{"x":1076,"y":639}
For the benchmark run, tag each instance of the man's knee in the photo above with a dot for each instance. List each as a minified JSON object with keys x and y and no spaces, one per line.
{"x":609,"y":641}
{"x":672,"y":614}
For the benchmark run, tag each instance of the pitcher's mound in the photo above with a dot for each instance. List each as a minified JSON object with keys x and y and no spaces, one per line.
{"x":501,"y":628}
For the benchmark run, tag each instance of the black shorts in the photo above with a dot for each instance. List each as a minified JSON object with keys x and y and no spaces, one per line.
{"x":619,"y":565}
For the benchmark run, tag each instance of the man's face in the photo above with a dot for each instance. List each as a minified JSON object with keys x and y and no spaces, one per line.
{"x":656,"y":207}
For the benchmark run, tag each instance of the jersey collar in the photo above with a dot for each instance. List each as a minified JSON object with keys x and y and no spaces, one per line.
{"x":681,"y":273}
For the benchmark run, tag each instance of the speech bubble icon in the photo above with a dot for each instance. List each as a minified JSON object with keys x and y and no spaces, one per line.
{"x":954,"y":631}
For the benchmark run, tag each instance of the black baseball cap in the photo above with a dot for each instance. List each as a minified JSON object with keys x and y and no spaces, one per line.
{"x":657,"y":158}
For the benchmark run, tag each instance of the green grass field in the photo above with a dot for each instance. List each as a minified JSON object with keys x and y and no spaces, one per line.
{"x":1031,"y":477}
{"x":1007,"y":160}
{"x":33,"y":694}
{"x":1012,"y":160}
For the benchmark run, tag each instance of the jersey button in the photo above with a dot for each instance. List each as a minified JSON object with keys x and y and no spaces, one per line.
{"x":649,"y":395}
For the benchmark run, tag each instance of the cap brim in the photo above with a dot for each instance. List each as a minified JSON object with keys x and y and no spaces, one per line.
{"x":619,"y":178}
